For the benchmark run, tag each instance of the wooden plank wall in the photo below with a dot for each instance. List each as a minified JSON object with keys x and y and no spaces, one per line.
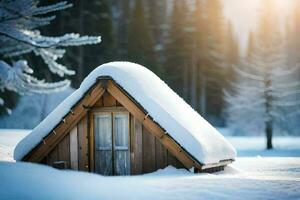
{"x":74,"y":148}
{"x":83,"y":160}
{"x":60,"y":153}
{"x":147,"y":153}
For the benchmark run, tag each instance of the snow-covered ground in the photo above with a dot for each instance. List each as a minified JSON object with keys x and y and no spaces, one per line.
{"x":257,"y":178}
{"x":254,"y":175}
{"x":255,"y":146}
{"x":8,"y":141}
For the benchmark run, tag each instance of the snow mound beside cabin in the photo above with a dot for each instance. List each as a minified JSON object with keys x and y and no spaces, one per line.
{"x":169,"y":110}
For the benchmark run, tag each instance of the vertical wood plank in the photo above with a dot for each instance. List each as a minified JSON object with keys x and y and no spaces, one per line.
{"x":74,"y":149}
{"x":119,"y":104}
{"x":52,"y":156}
{"x":108,"y":100}
{"x":64,"y":150}
{"x":136,"y":148}
{"x":149,"y":164}
{"x":99,"y":103}
{"x":172,"y":160}
{"x":90,"y":143}
{"x":82,"y":144}
{"x":160,"y":155}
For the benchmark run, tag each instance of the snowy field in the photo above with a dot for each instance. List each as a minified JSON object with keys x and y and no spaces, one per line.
{"x":256,"y":174}
{"x":8,"y":140}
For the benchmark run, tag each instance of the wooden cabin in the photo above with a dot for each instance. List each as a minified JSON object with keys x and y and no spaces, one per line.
{"x":106,"y":130}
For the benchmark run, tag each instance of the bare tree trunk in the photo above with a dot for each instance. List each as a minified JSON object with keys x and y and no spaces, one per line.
{"x":269,"y":134}
{"x":268,"y":123}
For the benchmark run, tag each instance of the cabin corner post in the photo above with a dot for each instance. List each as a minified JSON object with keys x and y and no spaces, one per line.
{"x":91,"y":141}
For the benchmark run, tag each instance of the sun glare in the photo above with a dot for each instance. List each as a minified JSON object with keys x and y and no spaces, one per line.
{"x":244,"y":14}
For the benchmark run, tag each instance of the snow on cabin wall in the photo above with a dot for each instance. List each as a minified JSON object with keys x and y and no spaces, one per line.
{"x":32,"y":109}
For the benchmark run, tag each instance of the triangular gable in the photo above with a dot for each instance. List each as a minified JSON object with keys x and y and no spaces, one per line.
{"x":80,"y":109}
{"x":153,"y":98}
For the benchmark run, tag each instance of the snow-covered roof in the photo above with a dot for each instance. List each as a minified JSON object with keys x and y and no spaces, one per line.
{"x":170,"y":111}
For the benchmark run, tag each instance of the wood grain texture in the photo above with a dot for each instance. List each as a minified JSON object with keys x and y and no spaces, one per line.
{"x":52,"y":156}
{"x":82,"y":144}
{"x":74,"y":148}
{"x":108,"y":100}
{"x":136,"y":146}
{"x":91,"y":142}
{"x":99,"y":103}
{"x":161,"y":155}
{"x":149,"y":160}
{"x":64,"y":150}
{"x":66,"y":125}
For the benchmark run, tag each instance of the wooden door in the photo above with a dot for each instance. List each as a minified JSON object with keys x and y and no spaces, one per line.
{"x":111,"y":131}
{"x":121,"y":143}
{"x":103,"y":144}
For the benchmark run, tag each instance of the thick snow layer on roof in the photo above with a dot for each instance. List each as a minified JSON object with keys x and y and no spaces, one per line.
{"x":169,"y":110}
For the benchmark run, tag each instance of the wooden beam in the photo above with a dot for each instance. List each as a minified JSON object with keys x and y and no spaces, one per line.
{"x":140,"y":114}
{"x":74,"y":148}
{"x":219,"y":164}
{"x":66,"y":125}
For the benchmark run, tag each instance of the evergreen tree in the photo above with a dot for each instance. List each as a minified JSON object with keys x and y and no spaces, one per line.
{"x":198,"y":72}
{"x":122,"y":18}
{"x":20,"y":35}
{"x":214,"y":62}
{"x":179,"y":49}
{"x":293,"y":52}
{"x":157,"y":17}
{"x":267,"y":88}
{"x":157,"y":10}
{"x":232,"y":55}
{"x":94,"y":17}
{"x":292,"y":36}
{"x":140,"y":41}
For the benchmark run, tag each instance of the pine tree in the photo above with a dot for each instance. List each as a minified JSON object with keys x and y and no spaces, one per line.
{"x":178,"y":50}
{"x":88,"y":17}
{"x":293,"y":49}
{"x":122,"y":24}
{"x":267,"y":88}
{"x":232,"y":55}
{"x":214,"y":60}
{"x":140,"y":41}
{"x":292,"y":34}
{"x":98,"y":21}
{"x":199,"y":56}
{"x":20,"y":35}
{"x":157,"y":17}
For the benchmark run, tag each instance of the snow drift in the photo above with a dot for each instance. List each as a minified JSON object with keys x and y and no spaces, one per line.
{"x":169,"y":110}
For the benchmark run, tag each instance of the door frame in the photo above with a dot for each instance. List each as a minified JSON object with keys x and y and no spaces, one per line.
{"x":91,"y":135}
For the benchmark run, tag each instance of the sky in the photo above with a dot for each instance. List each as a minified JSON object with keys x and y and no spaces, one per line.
{"x":244,"y":14}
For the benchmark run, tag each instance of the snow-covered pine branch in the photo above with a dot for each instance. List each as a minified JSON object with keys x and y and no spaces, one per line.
{"x":18,"y":78}
{"x":19,"y":35}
